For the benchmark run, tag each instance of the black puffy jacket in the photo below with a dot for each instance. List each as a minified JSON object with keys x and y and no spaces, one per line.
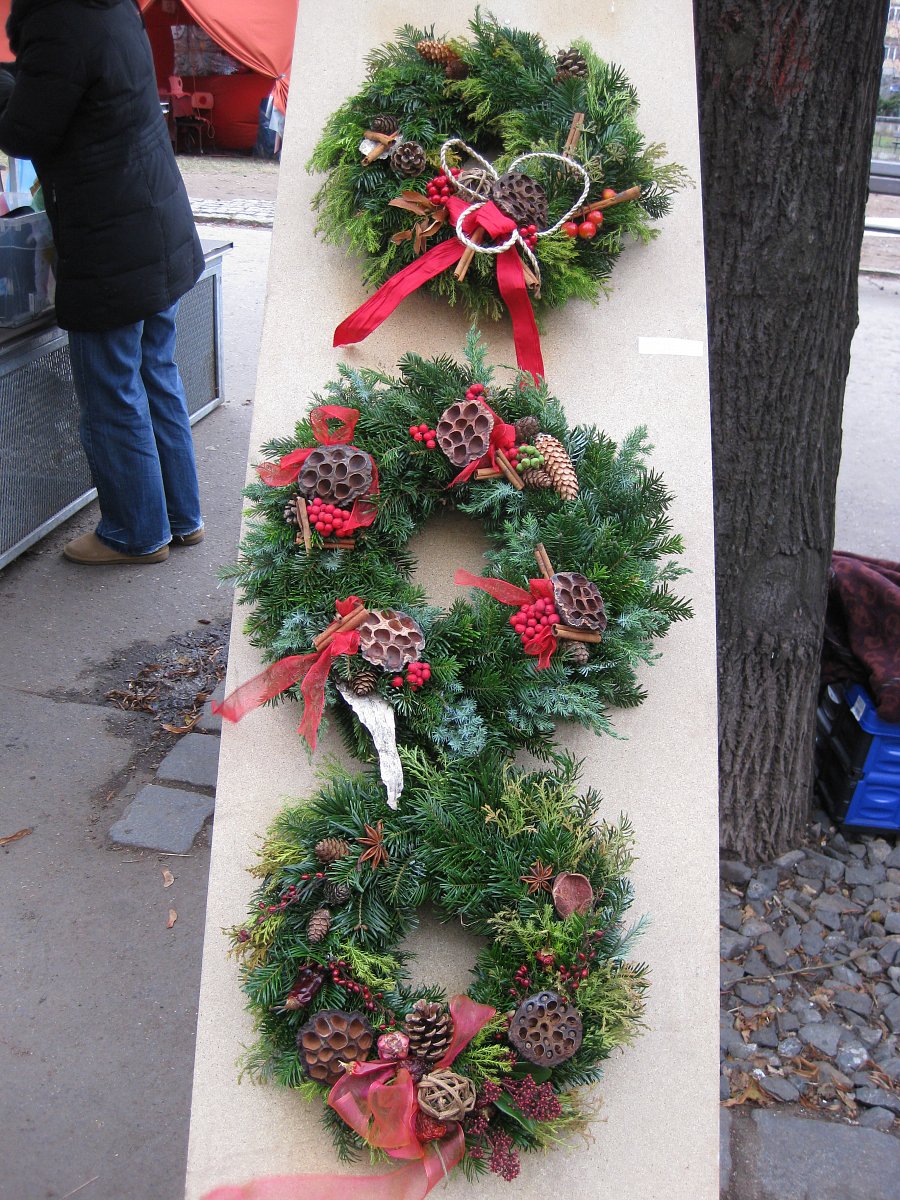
{"x":85,"y":110}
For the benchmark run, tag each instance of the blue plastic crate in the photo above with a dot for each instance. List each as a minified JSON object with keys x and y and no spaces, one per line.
{"x":875,"y":802}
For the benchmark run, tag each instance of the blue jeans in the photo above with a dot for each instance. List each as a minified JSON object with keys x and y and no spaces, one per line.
{"x":136,"y":433}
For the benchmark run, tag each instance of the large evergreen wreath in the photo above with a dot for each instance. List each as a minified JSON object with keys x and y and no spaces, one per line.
{"x":503,"y":92}
{"x":484,"y":692}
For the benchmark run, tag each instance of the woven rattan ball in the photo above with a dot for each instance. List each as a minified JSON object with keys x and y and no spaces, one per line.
{"x":390,"y":639}
{"x":546,"y":1029}
{"x":445,"y":1095}
{"x":464,"y":431}
{"x":336,"y":474}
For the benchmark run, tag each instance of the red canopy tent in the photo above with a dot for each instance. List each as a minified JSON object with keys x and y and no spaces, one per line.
{"x":258,"y":33}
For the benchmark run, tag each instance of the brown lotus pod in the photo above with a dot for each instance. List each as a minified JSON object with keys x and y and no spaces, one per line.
{"x":536,"y":477}
{"x":336,"y":474}
{"x":330,"y":849}
{"x":558,"y":465}
{"x":330,"y":1039}
{"x":572,"y":893}
{"x":390,"y":639}
{"x":384,"y":123}
{"x":409,"y":159}
{"x":464,"y":431}
{"x":546,"y":1029}
{"x":527,"y":429}
{"x":521,"y":199}
{"x":317,"y":926}
{"x":445,"y":1095}
{"x":578,"y":601}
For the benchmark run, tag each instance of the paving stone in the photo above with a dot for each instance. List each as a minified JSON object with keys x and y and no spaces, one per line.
{"x":789,"y":1047}
{"x":876,"y":1097}
{"x":834,"y":902}
{"x":893,"y":859}
{"x":763,"y":885}
{"x":856,"y":1002}
{"x":774,"y":948}
{"x":869,"y":1035}
{"x":857,"y":849}
{"x":788,"y":1022}
{"x":857,"y":873}
{"x":161,"y":818}
{"x":891,"y":1015}
{"x":784,"y":1157}
{"x":743,"y":1050}
{"x":194,"y":759}
{"x":823,"y":1035}
{"x":729,"y":973}
{"x":208,"y":721}
{"x":892,"y":922}
{"x":863,"y":894}
{"x":869,"y":966}
{"x":755,"y":927}
{"x":893,"y":875}
{"x":876,"y":1118}
{"x":755,"y":964}
{"x":725,"y":1087}
{"x":887,"y":891}
{"x":891,"y":1068}
{"x":813,"y":943}
{"x":889,"y":952}
{"x":851,"y":1056}
{"x":754,"y":993}
{"x":731,"y":918}
{"x":809,"y":869}
{"x":831,"y":1074}
{"x":790,"y":936}
{"x":878,"y":850}
{"x":735,"y":872}
{"x":732,"y":944}
{"x":781,"y":1089}
{"x":789,"y":861}
{"x":805,"y":1010}
{"x":846,"y":974}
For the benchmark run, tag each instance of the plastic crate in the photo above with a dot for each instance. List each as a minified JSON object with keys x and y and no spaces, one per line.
{"x":27,"y":268}
{"x":857,"y":760}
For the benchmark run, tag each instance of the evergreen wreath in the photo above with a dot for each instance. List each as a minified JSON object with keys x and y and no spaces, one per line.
{"x":485,"y":674}
{"x":502,"y":91}
{"x":518,"y":858}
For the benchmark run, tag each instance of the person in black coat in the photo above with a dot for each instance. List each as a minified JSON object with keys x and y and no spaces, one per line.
{"x":84,"y":107}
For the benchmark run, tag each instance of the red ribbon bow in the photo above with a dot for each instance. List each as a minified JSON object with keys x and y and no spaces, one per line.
{"x":311,"y":668}
{"x":287,"y":468}
{"x":510,"y":280}
{"x":544,"y":642}
{"x":378,"y":1100}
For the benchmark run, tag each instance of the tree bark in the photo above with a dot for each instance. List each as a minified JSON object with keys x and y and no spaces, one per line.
{"x":787,"y":92}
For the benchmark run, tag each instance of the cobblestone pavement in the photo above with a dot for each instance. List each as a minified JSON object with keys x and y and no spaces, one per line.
{"x":258,"y":213}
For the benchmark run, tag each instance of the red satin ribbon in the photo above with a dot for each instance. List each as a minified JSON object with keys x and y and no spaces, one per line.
{"x":510,"y":280}
{"x":311,"y":668}
{"x":286,"y":470}
{"x":543,"y":645}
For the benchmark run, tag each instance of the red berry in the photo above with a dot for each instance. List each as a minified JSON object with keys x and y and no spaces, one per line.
{"x":609,"y":193}
{"x":397,"y":681}
{"x":570,"y":229}
{"x":587,"y":229}
{"x":412,"y":430}
{"x":423,"y":427}
{"x":430,"y":443}
{"x":420,"y":437}
{"x":595,"y":217}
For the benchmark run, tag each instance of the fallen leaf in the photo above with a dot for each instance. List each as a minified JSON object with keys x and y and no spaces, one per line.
{"x":168,"y":877}
{"x":751,"y":1093}
{"x":14,"y":837}
{"x":186,"y":728}
{"x":173,"y":917}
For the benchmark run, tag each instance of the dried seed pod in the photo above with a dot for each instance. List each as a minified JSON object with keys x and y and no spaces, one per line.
{"x":572,"y":893}
{"x":336,"y":474}
{"x":290,"y":512}
{"x":578,"y":601}
{"x":317,"y":926}
{"x":445,"y":1095}
{"x":429,"y":1028}
{"x":429,"y":1129}
{"x":527,"y":429}
{"x":393,"y":1046}
{"x":390,"y":639}
{"x":330,"y":849}
{"x":546,"y":1029}
{"x":456,"y":68}
{"x":304,"y":988}
{"x":464,"y":431}
{"x":333,"y":1037}
{"x":384,"y":123}
{"x":558,"y":466}
{"x":520,"y":198}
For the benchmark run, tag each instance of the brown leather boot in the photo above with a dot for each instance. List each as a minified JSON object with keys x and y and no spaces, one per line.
{"x":188,"y":539}
{"x":89,"y":551}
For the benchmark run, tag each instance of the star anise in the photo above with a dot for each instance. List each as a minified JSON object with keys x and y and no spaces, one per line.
{"x":538,"y":878}
{"x":373,"y":842}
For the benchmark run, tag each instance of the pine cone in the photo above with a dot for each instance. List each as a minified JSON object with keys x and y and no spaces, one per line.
{"x":558,"y":466}
{"x":363,"y":683}
{"x":409,"y":159}
{"x":527,"y":429}
{"x":330,"y":849}
{"x":318,"y":925}
{"x":536,"y":477}
{"x":519,"y":197}
{"x":570,"y":64}
{"x":456,"y":68}
{"x":577,"y":653}
{"x":429,"y":1028}
{"x":384,"y":123}
{"x":340,"y":893}
{"x":290,"y":512}
{"x":436,"y":52}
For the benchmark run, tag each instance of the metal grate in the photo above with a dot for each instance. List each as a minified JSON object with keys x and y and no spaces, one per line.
{"x":44,"y":476}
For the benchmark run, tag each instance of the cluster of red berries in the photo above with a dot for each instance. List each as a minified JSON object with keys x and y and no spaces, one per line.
{"x":421,"y":433}
{"x":521,"y":981}
{"x":337,"y":969}
{"x":504,"y":1156}
{"x":540,"y":1103}
{"x":417,"y":675}
{"x":288,"y":897}
{"x":528,"y":234}
{"x":476,"y":391}
{"x":529,"y":619}
{"x":586,"y":228}
{"x":326,"y":518}
{"x":441,"y":187}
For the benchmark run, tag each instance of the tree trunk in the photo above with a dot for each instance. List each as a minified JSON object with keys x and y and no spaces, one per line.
{"x":788,"y":90}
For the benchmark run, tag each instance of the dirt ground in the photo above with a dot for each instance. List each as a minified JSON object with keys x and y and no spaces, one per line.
{"x":223,"y":176}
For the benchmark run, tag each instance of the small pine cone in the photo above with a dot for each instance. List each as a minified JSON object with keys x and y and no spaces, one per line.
{"x":384,"y":123}
{"x":429,"y":1028}
{"x":536,"y":477}
{"x":363,"y":683}
{"x":290,"y":512}
{"x":527,"y":429}
{"x":558,"y":466}
{"x":570,"y":64}
{"x":339,"y":893}
{"x":577,"y":653}
{"x":330,"y":849}
{"x":409,"y":159}
{"x":436,"y":52}
{"x":318,"y":925}
{"x":456,"y":69}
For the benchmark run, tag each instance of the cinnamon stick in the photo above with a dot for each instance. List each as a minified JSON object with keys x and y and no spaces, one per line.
{"x":531,"y":280}
{"x":353,"y":619}
{"x":380,"y":148}
{"x":384,"y":138}
{"x":568,"y":634}
{"x":306,"y":531}
{"x":509,"y":471}
{"x":488,"y":473}
{"x":340,"y":544}
{"x":575,"y":131}
{"x":545,"y":566}
{"x":632,"y":193}
{"x":465,"y":262}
